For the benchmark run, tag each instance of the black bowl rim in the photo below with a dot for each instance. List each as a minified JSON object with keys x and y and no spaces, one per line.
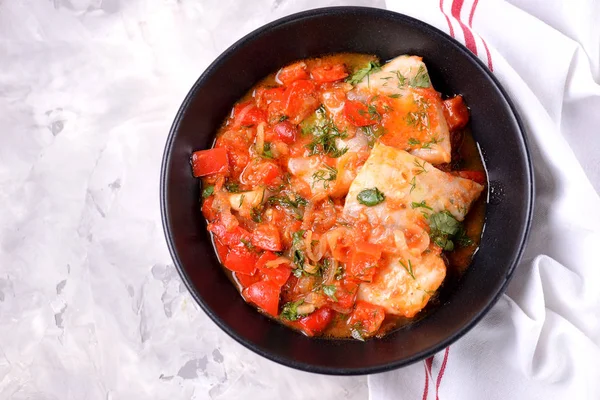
{"x":167,"y":224}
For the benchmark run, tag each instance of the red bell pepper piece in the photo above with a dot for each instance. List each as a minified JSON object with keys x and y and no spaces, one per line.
{"x":317,"y":321}
{"x":211,"y":161}
{"x":455,"y":112}
{"x":329,"y":73}
{"x":267,"y":237}
{"x":477,"y":176}
{"x":265,"y":295}
{"x":292,"y":73}
{"x":241,"y":260}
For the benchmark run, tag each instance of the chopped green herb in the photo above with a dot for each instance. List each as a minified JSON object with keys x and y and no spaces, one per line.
{"x":242,"y":197}
{"x":298,"y":238}
{"x":256,"y":214}
{"x":267,"y":153}
{"x":339,"y":273}
{"x":373,"y":133}
{"x":232,"y":187}
{"x":421,"y":204}
{"x":299,"y":260}
{"x":208,"y":191}
{"x":421,"y":79}
{"x":413,"y":184}
{"x":401,"y":79}
{"x":360,"y":74}
{"x":298,"y":257}
{"x":370,"y":197}
{"x":433,"y":141}
{"x":445,"y":229}
{"x":395,"y":95}
{"x":325,"y":135}
{"x":248,"y":245}
{"x":290,"y":310}
{"x":420,"y":166}
{"x":373,"y":113}
{"x":325,"y":175}
{"x":329,"y":291}
{"x":462,"y":239}
{"x":283,"y":118}
{"x":357,"y":335}
{"x":290,"y":204}
{"x":413,"y":141}
{"x":418,"y":120}
{"x":409,"y":269}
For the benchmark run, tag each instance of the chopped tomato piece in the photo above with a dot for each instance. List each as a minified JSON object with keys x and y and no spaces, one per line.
{"x":247,"y":114}
{"x":278,"y":275}
{"x":207,"y":209}
{"x":292,"y":73}
{"x":265,"y":295}
{"x":222,"y":250}
{"x":301,"y":100}
{"x":368,"y":249}
{"x":366,"y":317}
{"x":363,"y":263}
{"x":211,"y":161}
{"x":241,"y":260}
{"x":267,"y":237}
{"x":264,"y":173}
{"x":456,"y":113}
{"x":477,"y":176}
{"x":317,"y":321}
{"x":286,"y":132}
{"x":345,"y":295}
{"x":363,"y":268}
{"x":329,"y":73}
{"x":265,"y":258}
{"x":358,"y":113}
{"x":264,"y":96}
{"x":229,"y":237}
{"x":246,"y":280}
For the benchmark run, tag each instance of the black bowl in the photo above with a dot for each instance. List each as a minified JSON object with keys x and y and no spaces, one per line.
{"x":495,"y":125}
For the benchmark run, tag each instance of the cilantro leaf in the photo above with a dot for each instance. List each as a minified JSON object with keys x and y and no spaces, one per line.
{"x":445,"y":230}
{"x":208,"y":191}
{"x":290,"y":310}
{"x":232,"y":187}
{"x":370,"y":197}
{"x":360,"y":74}
{"x":330,"y":290}
{"x":267,"y":152}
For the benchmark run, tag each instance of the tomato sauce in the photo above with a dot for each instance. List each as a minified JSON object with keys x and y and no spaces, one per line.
{"x":274,"y":188}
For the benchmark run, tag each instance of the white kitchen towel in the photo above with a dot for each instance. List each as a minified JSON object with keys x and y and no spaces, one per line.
{"x":542,"y":339}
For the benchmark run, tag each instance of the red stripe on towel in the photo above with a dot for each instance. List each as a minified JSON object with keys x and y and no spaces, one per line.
{"x":469,"y":38}
{"x":487,"y":51}
{"x":441,"y":374}
{"x":447,"y":19}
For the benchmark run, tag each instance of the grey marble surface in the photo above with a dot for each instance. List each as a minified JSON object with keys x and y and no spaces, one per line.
{"x":91,"y":306}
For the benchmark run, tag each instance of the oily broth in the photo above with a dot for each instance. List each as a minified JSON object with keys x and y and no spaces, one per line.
{"x":466,"y":156}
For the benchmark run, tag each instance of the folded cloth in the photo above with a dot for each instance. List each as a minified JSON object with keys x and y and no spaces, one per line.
{"x":542,"y":339}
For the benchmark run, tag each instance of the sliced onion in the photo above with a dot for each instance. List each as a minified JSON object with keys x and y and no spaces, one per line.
{"x":327,"y":279}
{"x":278,"y":261}
{"x":309,"y":268}
{"x":305,"y":309}
{"x":316,"y":299}
{"x":260,"y":138}
{"x":313,"y":255}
